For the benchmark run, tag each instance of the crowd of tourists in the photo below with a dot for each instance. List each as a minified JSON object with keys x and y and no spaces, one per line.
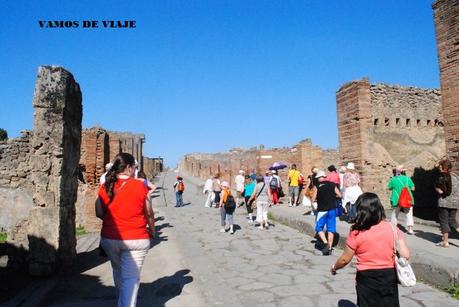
{"x":375,"y":242}
{"x":128,"y":219}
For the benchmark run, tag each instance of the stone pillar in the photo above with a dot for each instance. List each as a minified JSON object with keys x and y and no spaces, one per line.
{"x":56,"y":153}
{"x":446,"y":15}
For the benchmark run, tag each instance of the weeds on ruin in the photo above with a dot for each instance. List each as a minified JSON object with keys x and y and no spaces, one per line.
{"x":2,"y":237}
{"x":80,"y":231}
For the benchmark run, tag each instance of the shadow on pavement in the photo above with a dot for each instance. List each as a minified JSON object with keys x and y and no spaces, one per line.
{"x":164,"y":288}
{"x":346,"y":303}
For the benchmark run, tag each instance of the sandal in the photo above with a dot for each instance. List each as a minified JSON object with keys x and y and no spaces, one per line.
{"x":442,"y":244}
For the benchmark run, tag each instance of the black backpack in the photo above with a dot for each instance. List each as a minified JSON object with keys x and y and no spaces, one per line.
{"x":273,"y":184}
{"x":230,"y":204}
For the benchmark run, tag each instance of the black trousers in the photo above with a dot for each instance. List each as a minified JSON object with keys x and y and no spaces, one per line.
{"x":377,"y":288}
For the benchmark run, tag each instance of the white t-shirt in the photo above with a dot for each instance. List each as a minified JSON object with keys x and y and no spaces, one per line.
{"x":239,"y":180}
{"x":207,"y":186}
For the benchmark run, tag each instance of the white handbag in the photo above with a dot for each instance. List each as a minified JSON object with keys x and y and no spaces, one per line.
{"x":405,"y":273}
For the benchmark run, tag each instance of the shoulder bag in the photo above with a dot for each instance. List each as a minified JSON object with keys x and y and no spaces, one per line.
{"x":405,"y":273}
{"x":254,"y":204}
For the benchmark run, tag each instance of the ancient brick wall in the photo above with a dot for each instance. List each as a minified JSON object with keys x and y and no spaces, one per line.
{"x":446,"y":16}
{"x":382,"y":126}
{"x":227,"y":164}
{"x":98,"y":147}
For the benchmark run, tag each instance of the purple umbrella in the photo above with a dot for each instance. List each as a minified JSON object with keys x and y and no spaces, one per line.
{"x":277,"y":166}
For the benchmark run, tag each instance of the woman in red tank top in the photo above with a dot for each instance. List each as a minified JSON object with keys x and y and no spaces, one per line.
{"x":125,"y":237}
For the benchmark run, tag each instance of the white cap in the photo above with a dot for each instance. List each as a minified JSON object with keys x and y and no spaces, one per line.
{"x":241,"y":172}
{"x":321,"y":174}
{"x":273,"y":171}
{"x":350,"y":165}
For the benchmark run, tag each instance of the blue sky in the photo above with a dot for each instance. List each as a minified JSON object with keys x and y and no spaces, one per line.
{"x":207,"y":76}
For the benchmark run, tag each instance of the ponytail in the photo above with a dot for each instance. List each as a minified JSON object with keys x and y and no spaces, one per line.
{"x":122,"y":160}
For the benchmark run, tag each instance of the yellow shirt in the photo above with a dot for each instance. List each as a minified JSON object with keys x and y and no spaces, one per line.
{"x":293,"y":176}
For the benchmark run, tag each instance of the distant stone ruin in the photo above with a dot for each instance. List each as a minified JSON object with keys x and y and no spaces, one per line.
{"x":382,"y":126}
{"x":40,"y":169}
{"x":98,"y":147}
{"x":304,"y":154}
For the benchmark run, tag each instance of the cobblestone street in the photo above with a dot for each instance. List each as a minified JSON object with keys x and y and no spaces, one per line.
{"x":275,"y":267}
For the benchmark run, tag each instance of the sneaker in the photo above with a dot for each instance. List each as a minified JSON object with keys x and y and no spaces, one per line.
{"x":222,"y":230}
{"x":260,"y":227}
{"x":290,"y":205}
{"x":231,"y":231}
{"x":410,"y":231}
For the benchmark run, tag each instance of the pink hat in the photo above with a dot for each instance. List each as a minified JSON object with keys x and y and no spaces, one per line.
{"x":225,"y":184}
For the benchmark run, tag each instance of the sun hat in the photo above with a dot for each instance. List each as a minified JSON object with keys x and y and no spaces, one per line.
{"x":321,"y":174}
{"x":350,"y":165}
{"x":342,"y":169}
{"x":225,"y":184}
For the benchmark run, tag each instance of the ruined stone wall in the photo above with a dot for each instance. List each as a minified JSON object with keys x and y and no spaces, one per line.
{"x":16,"y":185}
{"x":131,"y":143}
{"x":152,"y":166}
{"x":304,"y":155}
{"x":45,"y":170}
{"x":446,"y":16}
{"x":382,"y":126}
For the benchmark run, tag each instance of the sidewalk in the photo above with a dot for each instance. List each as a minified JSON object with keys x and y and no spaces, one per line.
{"x":435,"y":265}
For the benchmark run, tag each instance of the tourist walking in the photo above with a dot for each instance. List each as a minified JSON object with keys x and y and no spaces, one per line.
{"x":225,"y":215}
{"x":396,"y":185}
{"x":207,"y":190}
{"x":301,"y":180}
{"x":274,"y":186}
{"x":293,"y":189}
{"x":371,"y":240}
{"x":239,"y":181}
{"x":352,"y":190}
{"x":125,"y":209}
{"x":179,"y":188}
{"x":216,"y":188}
{"x":249,"y":187}
{"x":447,"y":188}
{"x":327,"y":192}
{"x":150,"y":186}
{"x":310,"y":192}
{"x":262,"y":196}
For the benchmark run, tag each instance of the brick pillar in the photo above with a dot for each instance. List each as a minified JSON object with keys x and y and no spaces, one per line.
{"x":354,"y":122}
{"x":446,"y":16}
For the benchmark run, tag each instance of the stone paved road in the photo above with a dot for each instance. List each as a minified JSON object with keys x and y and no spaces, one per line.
{"x":275,"y":267}
{"x":193,"y":264}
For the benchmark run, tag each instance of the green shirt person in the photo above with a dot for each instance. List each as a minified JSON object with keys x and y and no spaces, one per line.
{"x":396,"y":184}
